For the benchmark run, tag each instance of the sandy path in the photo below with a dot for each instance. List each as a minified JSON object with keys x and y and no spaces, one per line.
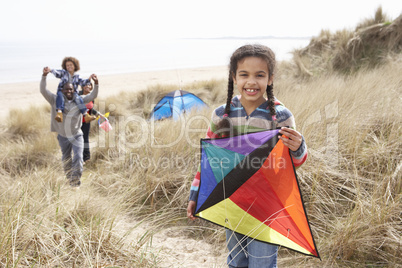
{"x":26,"y":94}
{"x":180,"y":251}
{"x":172,"y":248}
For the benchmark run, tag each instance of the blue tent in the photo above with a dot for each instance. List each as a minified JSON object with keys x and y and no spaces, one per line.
{"x":174,"y":103}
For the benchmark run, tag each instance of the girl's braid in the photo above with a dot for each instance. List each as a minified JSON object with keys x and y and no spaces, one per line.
{"x":224,"y":127}
{"x":271,"y":100}
{"x":230,"y":95}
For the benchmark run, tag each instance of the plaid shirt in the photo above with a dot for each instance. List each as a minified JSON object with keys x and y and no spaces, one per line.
{"x":66,"y":77}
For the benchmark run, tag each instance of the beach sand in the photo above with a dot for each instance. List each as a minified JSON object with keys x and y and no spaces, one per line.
{"x":26,"y":94}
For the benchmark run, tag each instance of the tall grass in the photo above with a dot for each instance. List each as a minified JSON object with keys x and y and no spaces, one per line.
{"x":373,"y":42}
{"x":352,"y":180}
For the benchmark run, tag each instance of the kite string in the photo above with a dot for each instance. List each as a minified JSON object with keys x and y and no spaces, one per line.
{"x":246,"y":236}
{"x":268,"y":219}
{"x":224,"y":194}
{"x":227,"y":220}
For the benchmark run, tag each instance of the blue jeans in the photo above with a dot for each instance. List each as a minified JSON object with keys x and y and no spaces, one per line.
{"x":73,"y":165}
{"x":244,"y":251}
{"x":78,"y":100}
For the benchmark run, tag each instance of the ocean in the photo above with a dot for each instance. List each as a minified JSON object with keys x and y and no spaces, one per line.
{"x":24,"y":61}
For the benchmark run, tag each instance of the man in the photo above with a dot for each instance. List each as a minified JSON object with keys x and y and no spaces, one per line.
{"x":69,"y":131}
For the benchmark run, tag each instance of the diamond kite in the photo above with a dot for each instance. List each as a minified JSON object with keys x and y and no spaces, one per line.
{"x":249,"y":185}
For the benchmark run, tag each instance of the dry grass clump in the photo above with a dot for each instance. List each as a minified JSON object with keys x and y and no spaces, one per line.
{"x":27,"y":125}
{"x":373,"y":42}
{"x":26,"y":142}
{"x":379,"y":17}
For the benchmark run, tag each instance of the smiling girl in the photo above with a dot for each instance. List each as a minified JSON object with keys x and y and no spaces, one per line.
{"x":251,"y":72}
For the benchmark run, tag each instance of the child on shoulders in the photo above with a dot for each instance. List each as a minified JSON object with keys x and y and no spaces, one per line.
{"x":70,"y":65}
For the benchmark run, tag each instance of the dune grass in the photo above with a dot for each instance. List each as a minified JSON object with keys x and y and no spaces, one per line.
{"x":374,"y":41}
{"x":137,"y":183}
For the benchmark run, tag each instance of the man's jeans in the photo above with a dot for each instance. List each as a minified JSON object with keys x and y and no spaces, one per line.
{"x":73,"y":166}
{"x":247,"y":252}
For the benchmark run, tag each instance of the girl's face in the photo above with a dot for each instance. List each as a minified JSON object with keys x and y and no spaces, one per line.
{"x":70,"y":67}
{"x":252,"y":78}
{"x":86,"y":89}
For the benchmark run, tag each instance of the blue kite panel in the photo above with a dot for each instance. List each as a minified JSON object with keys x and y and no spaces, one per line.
{"x":221,"y":161}
{"x":208,"y":180}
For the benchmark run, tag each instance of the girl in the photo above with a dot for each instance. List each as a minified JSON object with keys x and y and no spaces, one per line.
{"x":86,"y":125}
{"x":251,"y":70}
{"x":70,"y":65}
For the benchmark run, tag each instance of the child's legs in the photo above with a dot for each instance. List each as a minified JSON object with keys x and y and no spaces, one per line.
{"x":236,"y":244}
{"x":247,"y":252}
{"x":60,"y":101}
{"x":80,"y":103}
{"x":261,"y":254}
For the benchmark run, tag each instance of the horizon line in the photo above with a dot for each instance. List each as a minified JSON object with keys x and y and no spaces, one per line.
{"x":251,"y":37}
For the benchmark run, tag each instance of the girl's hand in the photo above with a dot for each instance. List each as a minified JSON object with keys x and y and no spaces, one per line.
{"x":95,"y":78}
{"x":293,"y":138}
{"x":190,"y":210}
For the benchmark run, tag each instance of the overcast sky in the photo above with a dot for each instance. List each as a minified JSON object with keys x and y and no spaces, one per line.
{"x":161,"y":19}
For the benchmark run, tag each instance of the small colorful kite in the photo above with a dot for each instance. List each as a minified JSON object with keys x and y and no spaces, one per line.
{"x":105,"y":125}
{"x":249,"y":185}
